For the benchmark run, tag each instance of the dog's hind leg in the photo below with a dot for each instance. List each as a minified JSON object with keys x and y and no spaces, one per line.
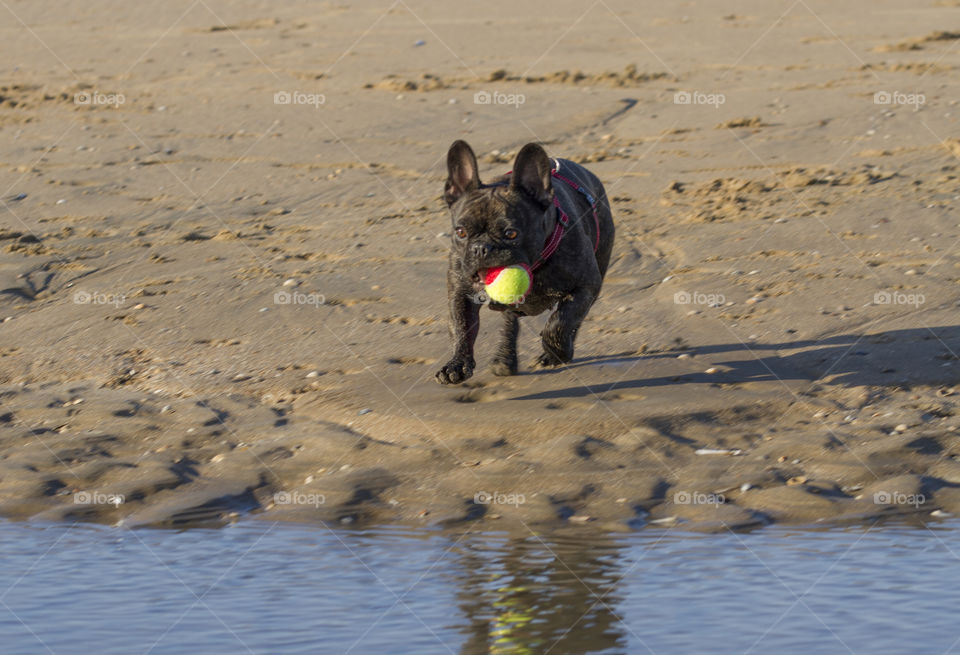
{"x":561,"y":329}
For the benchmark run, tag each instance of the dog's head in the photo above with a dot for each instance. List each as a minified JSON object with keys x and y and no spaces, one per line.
{"x":501,"y":224}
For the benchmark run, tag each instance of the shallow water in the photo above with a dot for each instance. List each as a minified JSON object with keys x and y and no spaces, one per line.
{"x":262,"y":587}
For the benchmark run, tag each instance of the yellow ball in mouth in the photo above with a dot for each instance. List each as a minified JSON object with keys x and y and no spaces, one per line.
{"x":507,"y":285}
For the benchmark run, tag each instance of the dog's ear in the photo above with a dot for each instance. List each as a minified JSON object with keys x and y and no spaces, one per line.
{"x":462,"y":176}
{"x":531,"y":174}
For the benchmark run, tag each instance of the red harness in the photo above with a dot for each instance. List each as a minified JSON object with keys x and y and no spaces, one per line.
{"x":563,"y":220}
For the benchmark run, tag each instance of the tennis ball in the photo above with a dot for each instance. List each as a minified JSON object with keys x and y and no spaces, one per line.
{"x":507,"y":285}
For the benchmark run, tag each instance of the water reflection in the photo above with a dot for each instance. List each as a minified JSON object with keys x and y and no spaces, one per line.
{"x":527,"y":594}
{"x":270,"y":588}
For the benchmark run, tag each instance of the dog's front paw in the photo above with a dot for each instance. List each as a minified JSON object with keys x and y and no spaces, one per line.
{"x":546,"y":360}
{"x":455,"y":371}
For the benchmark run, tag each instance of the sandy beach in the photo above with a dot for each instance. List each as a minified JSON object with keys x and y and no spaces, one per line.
{"x":223,"y":251}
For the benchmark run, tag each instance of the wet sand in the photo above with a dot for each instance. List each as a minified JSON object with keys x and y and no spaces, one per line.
{"x":223,"y":251}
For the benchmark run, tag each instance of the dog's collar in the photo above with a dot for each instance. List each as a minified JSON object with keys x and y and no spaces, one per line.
{"x":563,"y":220}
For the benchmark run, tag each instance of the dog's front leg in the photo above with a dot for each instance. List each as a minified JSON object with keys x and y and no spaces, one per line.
{"x":464,"y":325}
{"x":505,"y":361}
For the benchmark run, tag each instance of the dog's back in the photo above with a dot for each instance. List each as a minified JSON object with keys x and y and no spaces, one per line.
{"x":578,"y":206}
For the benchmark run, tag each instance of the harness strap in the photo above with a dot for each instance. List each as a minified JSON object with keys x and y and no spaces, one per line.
{"x":563,"y":220}
{"x":586,"y":194}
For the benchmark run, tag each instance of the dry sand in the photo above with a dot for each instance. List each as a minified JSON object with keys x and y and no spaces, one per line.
{"x":149,"y":222}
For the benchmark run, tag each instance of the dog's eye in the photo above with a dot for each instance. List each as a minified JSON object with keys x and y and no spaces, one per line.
{"x":510,"y":233}
{"x":460,"y":232}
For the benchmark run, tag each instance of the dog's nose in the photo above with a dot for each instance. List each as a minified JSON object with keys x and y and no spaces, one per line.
{"x":480,"y":250}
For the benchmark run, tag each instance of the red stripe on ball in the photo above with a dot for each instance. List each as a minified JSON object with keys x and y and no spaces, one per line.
{"x":492,"y":274}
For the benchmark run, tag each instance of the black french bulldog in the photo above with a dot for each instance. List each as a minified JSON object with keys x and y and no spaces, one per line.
{"x":552,"y":215}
